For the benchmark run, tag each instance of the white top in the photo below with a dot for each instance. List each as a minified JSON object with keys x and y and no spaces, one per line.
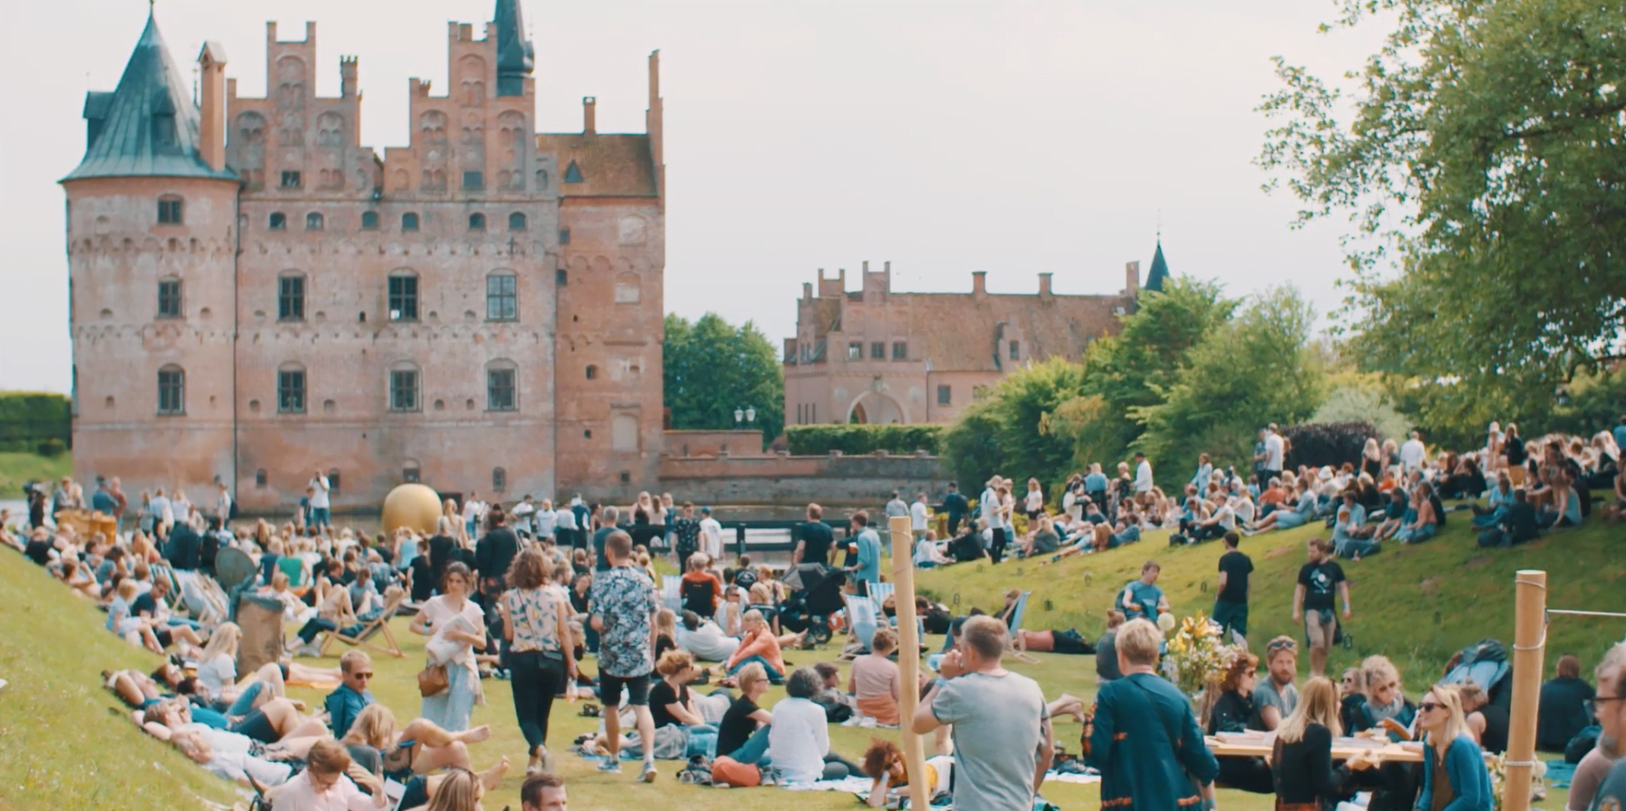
{"x":1226,"y":516}
{"x":522,"y":516}
{"x":472,"y":509}
{"x":299,"y":795}
{"x":319,"y":498}
{"x":711,"y":537}
{"x":544,"y":522}
{"x":233,"y":767}
{"x":1143,"y":477}
{"x":992,"y":510}
{"x":917,"y":515}
{"x":1245,"y":510}
{"x":1273,"y":451}
{"x":438,"y":611}
{"x":798,"y":740}
{"x":1412,"y":453}
{"x":708,"y":642}
{"x":220,"y":740}
{"x":564,"y":518}
{"x":216,"y":673}
{"x":1035,"y":500}
{"x":1071,"y":505}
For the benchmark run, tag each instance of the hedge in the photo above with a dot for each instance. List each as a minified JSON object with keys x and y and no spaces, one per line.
{"x":30,"y":421}
{"x":819,"y":440}
{"x":1323,"y":444}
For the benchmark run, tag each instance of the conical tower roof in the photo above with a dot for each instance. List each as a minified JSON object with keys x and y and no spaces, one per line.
{"x":1159,"y":272}
{"x":148,"y":127}
{"x":515,"y":56}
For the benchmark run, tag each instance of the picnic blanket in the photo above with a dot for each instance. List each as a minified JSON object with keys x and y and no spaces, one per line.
{"x":1560,"y":773}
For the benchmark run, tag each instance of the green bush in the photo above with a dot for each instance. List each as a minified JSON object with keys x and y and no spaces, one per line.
{"x":29,"y":418}
{"x":52,"y":448}
{"x":818,"y":440}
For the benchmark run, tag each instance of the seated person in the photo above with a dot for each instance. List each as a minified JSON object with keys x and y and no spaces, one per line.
{"x":705,"y":639}
{"x":874,"y":680}
{"x":884,"y":765}
{"x":327,"y":783}
{"x":701,"y":590}
{"x":1221,"y":521}
{"x":670,"y":702}
{"x":762,"y":602}
{"x":123,"y":622}
{"x":1426,"y":523}
{"x":830,"y":692}
{"x":1395,"y":509}
{"x":743,"y":732}
{"x":422,"y":747}
{"x":1044,"y":540}
{"x":346,"y":702}
{"x":1497,"y":502}
{"x":1518,"y":524}
{"x":930,"y":553}
{"x":1234,"y":711}
{"x":1564,"y":709}
{"x":757,"y":644}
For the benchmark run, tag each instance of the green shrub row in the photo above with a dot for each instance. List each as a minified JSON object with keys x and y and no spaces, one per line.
{"x":818,"y":440}
{"x":31,"y":420}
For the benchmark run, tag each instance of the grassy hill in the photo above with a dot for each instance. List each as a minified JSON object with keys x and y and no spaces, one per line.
{"x":17,"y":469}
{"x":1415,"y":604}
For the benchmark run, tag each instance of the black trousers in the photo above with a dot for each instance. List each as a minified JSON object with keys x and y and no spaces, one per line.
{"x":535,"y":683}
{"x":998,"y":543}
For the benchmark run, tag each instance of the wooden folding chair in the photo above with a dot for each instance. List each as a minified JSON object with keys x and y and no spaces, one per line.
{"x":378,"y":627}
{"x":1017,"y":611}
{"x":879,"y":592}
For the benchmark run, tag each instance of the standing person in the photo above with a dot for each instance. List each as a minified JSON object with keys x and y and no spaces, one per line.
{"x":711,"y":535}
{"x":102,"y":501}
{"x":1302,"y":764}
{"x":523,"y":514}
{"x":601,"y":560}
{"x":457,"y":626}
{"x":565,"y":528}
{"x":1275,"y":454}
{"x":686,"y":534}
{"x":1033,"y":502}
{"x":816,"y":539}
{"x":1517,"y":456}
{"x":1313,"y":601}
{"x":1231,"y":603}
{"x":896,"y":508}
{"x":1277,"y":697}
{"x":223,"y":503}
{"x":1145,"y":740}
{"x":998,"y":513}
{"x":321,"y":506}
{"x":1001,"y":727}
{"x":918,"y":517}
{"x":120,"y":501}
{"x":1142,"y":599}
{"x":957,"y":507}
{"x":1454,"y":774}
{"x":1595,"y":767}
{"x":473,"y":508}
{"x":624,"y":605}
{"x":536,"y":624}
{"x":546,"y":522}
{"x":1143,"y":480}
{"x":868,"y":568}
{"x":1412,"y":452}
{"x":494,"y":553}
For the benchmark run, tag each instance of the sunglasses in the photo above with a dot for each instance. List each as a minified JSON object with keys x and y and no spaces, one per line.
{"x":1429,"y":706}
{"x":362,"y":675}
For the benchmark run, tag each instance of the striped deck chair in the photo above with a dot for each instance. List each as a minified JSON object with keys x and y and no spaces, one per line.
{"x":672,"y":592}
{"x":862,"y":618}
{"x":204,"y":598}
{"x":379,"y":627}
{"x":879,"y":592}
{"x":1017,"y":611}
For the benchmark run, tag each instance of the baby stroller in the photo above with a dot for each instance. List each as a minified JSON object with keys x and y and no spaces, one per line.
{"x":815,"y":595}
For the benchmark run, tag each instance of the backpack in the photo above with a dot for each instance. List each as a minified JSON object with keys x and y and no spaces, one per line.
{"x":1485,"y":663}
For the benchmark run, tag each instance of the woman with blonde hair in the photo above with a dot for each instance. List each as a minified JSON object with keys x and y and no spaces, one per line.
{"x":1033,"y":502}
{"x":1454,"y":774}
{"x":459,"y":790}
{"x":1386,"y":707}
{"x":1304,"y":777}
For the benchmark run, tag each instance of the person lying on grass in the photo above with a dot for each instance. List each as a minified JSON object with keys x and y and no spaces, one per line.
{"x":884,"y":765}
{"x":420,"y":748}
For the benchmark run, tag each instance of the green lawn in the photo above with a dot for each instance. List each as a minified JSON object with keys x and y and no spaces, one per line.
{"x":60,"y":741}
{"x":17,"y":469}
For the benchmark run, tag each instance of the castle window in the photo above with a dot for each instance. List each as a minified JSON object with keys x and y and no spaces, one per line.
{"x":564,"y":236}
{"x":169,"y":298}
{"x":290,"y":180}
{"x":877,"y":350}
{"x":291,"y":298}
{"x":474,"y":181}
{"x":573,"y":173}
{"x":169,"y":211}
{"x":369,"y":221}
{"x":333,"y":481}
{"x":404,"y":389}
{"x":313,"y":221}
{"x":855,"y":350}
{"x":410,"y":474}
{"x":561,"y":277}
{"x":477,"y":222}
{"x":1016,"y":350}
{"x":900,"y":350}
{"x":501,"y":389}
{"x":945,"y":395}
{"x":279,"y":221}
{"x":409,"y":221}
{"x":171,"y":390}
{"x":502,"y":297}
{"x":403,"y":295}
{"x":259,"y":478}
{"x":499,"y":479}
{"x":291,"y":390}
{"x":516,"y":221}
{"x":592,"y":372}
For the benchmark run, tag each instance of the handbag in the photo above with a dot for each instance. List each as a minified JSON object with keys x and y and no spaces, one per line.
{"x":433,"y":680}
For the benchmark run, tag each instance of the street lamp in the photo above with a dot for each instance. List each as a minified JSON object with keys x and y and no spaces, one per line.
{"x":745,"y":415}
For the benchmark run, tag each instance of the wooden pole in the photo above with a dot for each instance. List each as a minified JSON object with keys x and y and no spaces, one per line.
{"x":1529,"y":648}
{"x":903,"y":581}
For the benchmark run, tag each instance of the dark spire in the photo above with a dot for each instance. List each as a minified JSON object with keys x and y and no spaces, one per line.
{"x":1159,"y":272}
{"x":148,"y":127}
{"x":515,"y":56}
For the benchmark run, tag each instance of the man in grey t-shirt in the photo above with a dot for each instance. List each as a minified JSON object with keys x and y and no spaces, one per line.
{"x":1276,"y":696}
{"x":1002,"y":738}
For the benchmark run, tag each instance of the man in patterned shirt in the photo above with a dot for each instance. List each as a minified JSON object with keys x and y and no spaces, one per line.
{"x":686,"y":528}
{"x":624,"y":604}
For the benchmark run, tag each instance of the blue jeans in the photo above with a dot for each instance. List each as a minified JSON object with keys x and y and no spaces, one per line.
{"x":774,"y":674}
{"x":754,"y":750}
{"x":1418,"y":535}
{"x":1352,"y":547}
{"x":1491,"y":518}
{"x":321,"y":517}
{"x":245,"y":700}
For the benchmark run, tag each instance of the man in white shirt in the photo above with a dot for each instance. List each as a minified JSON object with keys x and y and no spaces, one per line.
{"x":896,"y":508}
{"x":705,"y":639}
{"x":564,"y":527}
{"x":321,"y":514}
{"x":543,"y":522}
{"x":1412,"y":452}
{"x":223,"y":504}
{"x":473,"y":508}
{"x":711,"y":535}
{"x":917,"y":517}
{"x":1275,"y":450}
{"x":522,"y":517}
{"x":324,"y":786}
{"x":1143,"y":479}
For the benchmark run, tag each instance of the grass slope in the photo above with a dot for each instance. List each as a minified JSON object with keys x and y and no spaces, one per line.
{"x":64,"y":741}
{"x":17,"y":469}
{"x":1415,"y":604}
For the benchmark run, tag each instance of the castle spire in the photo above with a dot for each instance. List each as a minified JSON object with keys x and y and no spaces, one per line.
{"x":515,"y":56}
{"x":1160,"y":268}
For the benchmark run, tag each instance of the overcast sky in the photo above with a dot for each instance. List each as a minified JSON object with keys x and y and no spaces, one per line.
{"x":947,"y":137}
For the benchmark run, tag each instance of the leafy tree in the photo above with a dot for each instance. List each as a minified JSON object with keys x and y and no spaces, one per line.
{"x":1483,"y":160}
{"x":1252,"y":370}
{"x":1003,"y":433}
{"x":713,"y":368}
{"x":1361,"y":398}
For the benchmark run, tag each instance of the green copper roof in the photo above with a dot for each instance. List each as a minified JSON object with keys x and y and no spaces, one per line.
{"x":148,"y":127}
{"x":515,"y":56}
{"x":1159,"y":272}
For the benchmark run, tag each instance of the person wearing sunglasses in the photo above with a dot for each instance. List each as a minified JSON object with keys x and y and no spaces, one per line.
{"x":1454,"y":773}
{"x":1595,"y":781}
{"x":352,"y":696}
{"x":1386,"y":706}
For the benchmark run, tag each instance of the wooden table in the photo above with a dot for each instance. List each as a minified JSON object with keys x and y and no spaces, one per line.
{"x":1231,"y":745}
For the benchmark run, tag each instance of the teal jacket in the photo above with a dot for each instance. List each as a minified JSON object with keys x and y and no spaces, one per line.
{"x":1141,"y":768}
{"x":1465,"y":768}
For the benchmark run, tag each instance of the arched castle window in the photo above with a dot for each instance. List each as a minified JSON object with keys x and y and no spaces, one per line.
{"x":313,"y":221}
{"x":171,"y":390}
{"x":477,"y":222}
{"x":278,"y":221}
{"x":516,"y":221}
{"x":409,"y":221}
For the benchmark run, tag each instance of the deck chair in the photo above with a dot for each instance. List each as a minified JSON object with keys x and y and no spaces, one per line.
{"x":378,"y":627}
{"x":879,"y":592}
{"x":203,"y":596}
{"x":1017,"y":611}
{"x":672,"y":592}
{"x":862,"y":618}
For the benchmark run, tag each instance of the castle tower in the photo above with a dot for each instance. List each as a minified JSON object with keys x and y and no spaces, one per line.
{"x":152,"y":213}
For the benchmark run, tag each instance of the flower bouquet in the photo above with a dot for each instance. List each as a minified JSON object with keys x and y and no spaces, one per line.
{"x":1196,"y":653}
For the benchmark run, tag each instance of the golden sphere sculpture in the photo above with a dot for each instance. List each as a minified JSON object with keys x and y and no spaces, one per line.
{"x":414,"y":506}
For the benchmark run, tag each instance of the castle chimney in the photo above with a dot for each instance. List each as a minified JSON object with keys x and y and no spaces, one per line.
{"x":212,"y":106}
{"x":1132,"y":279}
{"x":589,"y":117}
{"x":1044,"y":284}
{"x":348,"y":87}
{"x":807,"y":290}
{"x":979,"y":282}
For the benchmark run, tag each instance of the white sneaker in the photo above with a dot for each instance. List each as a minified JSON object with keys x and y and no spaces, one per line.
{"x":649,"y":773}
